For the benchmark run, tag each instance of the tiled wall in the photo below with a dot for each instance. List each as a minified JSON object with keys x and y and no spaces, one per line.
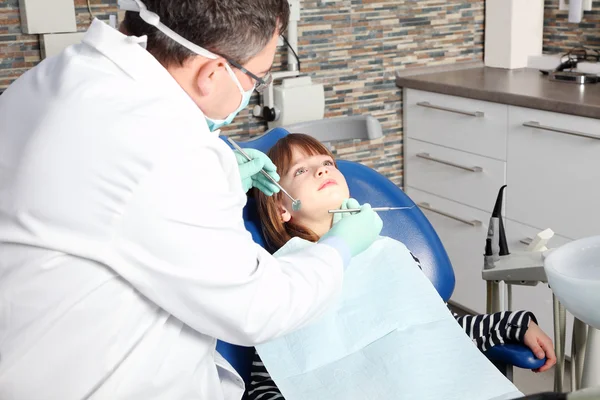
{"x":353,"y":47}
{"x":19,"y":52}
{"x":560,"y":36}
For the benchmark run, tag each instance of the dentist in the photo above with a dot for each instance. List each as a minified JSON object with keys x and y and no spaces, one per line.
{"x":123,"y":254}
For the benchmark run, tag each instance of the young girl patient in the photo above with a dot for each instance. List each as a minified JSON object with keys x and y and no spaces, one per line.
{"x":308,"y":171}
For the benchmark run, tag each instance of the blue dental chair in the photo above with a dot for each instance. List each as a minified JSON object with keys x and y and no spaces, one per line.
{"x":409,"y":226}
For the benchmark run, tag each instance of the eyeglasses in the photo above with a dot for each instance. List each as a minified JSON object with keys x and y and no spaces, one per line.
{"x":260,"y":84}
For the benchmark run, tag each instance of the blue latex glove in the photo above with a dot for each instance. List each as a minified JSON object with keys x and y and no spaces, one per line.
{"x":250,"y":171}
{"x":348,"y":203}
{"x":358,"y":231}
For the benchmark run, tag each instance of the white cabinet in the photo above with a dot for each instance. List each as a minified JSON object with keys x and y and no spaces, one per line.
{"x":456,"y":175}
{"x":455,"y":162}
{"x":553,"y":172}
{"x":459,"y":152}
{"x":473,"y":126}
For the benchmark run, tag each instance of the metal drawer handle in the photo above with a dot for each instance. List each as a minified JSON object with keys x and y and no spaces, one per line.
{"x":537,"y":125}
{"x":428,"y":207}
{"x":526,"y":241}
{"x":452,"y":110}
{"x":426,"y":156}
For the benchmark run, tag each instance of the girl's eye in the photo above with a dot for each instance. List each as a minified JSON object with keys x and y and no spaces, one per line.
{"x":300,"y":171}
{"x":328,"y":163}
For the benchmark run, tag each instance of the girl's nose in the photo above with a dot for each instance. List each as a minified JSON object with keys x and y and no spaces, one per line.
{"x":322,"y":170}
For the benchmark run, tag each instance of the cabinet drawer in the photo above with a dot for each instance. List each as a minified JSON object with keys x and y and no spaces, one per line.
{"x":553,"y":177}
{"x":464,"y":124}
{"x":464,"y":242}
{"x":464,"y":177}
{"x":537,"y":299}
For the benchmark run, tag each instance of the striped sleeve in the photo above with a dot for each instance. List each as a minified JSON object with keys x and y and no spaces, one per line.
{"x":489,"y":330}
{"x":262,"y":386}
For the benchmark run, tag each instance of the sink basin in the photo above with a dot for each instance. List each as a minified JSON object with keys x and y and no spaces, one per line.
{"x":573,"y":272}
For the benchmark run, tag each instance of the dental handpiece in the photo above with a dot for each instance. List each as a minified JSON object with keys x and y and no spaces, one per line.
{"x":296,"y":204}
{"x":336,"y":211}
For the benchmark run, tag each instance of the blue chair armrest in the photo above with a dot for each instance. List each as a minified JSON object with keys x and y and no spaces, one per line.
{"x":546,"y":396}
{"x":515,"y":354}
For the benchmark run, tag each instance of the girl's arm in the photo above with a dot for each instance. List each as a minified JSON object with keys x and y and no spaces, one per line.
{"x":489,"y":330}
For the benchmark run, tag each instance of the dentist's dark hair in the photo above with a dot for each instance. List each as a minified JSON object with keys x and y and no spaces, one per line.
{"x":234,"y":29}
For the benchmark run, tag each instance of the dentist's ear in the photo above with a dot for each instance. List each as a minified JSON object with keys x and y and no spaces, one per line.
{"x":207,"y":75}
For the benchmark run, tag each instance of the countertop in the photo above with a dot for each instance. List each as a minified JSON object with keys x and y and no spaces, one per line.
{"x":521,"y":87}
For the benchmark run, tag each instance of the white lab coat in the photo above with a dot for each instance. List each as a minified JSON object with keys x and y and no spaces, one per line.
{"x":123,"y":253}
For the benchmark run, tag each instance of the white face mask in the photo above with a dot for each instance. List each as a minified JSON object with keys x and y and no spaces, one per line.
{"x":153,"y":19}
{"x":214,"y":124}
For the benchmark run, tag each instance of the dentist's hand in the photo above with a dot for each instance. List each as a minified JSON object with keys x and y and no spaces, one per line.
{"x":251,"y":175}
{"x":348,"y":203}
{"x":358,"y":231}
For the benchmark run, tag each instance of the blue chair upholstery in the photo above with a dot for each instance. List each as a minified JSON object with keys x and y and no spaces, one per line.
{"x":514,"y":354}
{"x":409,"y":226}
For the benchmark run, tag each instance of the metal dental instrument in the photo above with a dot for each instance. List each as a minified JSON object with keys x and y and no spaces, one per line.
{"x":374,"y":209}
{"x":296,"y":204}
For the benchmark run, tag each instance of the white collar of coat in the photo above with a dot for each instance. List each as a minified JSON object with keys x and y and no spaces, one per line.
{"x":129,"y":53}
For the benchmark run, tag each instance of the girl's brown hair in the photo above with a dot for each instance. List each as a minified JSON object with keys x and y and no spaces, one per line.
{"x":276,"y":232}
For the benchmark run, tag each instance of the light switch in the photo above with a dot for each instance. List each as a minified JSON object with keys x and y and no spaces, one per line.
{"x":563,"y":5}
{"x":54,"y":43}
{"x":294,"y":10}
{"x":45,"y":16}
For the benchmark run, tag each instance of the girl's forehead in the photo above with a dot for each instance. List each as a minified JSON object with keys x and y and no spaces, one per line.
{"x":299,"y":154}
